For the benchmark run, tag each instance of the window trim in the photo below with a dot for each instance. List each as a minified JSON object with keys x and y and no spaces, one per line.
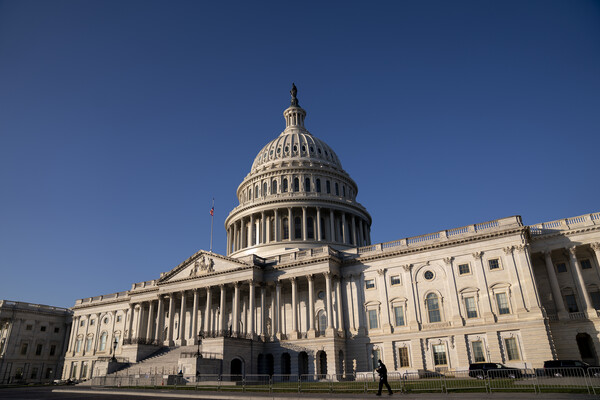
{"x":374,"y":284}
{"x":500,"y":266}
{"x":399,"y":283}
{"x":470,"y":272}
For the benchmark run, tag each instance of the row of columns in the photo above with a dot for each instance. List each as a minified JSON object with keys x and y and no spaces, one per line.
{"x":575,"y":268}
{"x":267,"y":227}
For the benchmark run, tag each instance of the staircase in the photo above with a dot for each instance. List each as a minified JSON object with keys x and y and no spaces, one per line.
{"x":163,"y":362}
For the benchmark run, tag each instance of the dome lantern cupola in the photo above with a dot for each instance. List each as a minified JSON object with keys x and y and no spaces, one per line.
{"x":294,"y":115}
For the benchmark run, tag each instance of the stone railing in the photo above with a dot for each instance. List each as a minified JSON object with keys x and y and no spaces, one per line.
{"x":443,"y":236}
{"x":31,"y":306}
{"x":104,"y":297}
{"x":577,"y":315}
{"x":559,"y":225}
{"x":143,"y":285}
{"x":437,"y":325}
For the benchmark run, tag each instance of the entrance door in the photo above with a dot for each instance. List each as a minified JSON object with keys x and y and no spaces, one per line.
{"x":586,"y":348}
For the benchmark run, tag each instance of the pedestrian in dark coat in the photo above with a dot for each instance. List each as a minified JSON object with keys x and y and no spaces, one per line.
{"x":382,"y":371}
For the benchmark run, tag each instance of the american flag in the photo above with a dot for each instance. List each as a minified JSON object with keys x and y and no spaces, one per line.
{"x":212,"y":211}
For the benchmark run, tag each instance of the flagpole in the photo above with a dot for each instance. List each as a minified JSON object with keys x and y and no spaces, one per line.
{"x":212,"y":217}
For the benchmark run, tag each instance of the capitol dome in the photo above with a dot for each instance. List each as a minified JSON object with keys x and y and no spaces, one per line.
{"x":296,"y":196}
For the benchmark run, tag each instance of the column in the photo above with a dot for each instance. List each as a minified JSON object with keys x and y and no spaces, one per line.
{"x":480,"y":275}
{"x":236,"y":309}
{"x":277,"y":320}
{"x":360,"y":232}
{"x":413,"y":322}
{"x":383,"y":298}
{"x":319,"y":227}
{"x":236,"y":235}
{"x":554,"y":286}
{"x":195,"y":317}
{"x":273,"y":318}
{"x":251,"y":228}
{"x":329,"y":310}
{"x":290,"y":224}
{"x":262,"y":310}
{"x":294,"y":308}
{"x":96,"y":338}
{"x":304,"y":230}
{"x":74,"y":326}
{"x":150,"y":327}
{"x":263,"y":226}
{"x":228,"y":241}
{"x":344,"y":229}
{"x":350,"y":296}
{"x":311,"y":307}
{"x":138,"y":330}
{"x":130,"y":321}
{"x":451,"y":288}
{"x":354,"y":235}
{"x":171,"y":318}
{"x":332,"y":226}
{"x":338,"y":301}
{"x":112,"y":332}
{"x":207,"y":327}
{"x":596,"y":248}
{"x":251,"y":319}
{"x":243,"y":237}
{"x":222,"y":326}
{"x":580,"y":284}
{"x":276,"y":224}
{"x":182,"y":319}
{"x":161,"y":320}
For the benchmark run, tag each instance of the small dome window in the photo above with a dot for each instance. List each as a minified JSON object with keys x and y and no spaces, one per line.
{"x":428,"y":275}
{"x":271,"y":153}
{"x":312,"y":149}
{"x":287,"y":149}
{"x":304,"y":149}
{"x":279,"y":150}
{"x":295,"y":148}
{"x":319,"y":150}
{"x":326,"y":152}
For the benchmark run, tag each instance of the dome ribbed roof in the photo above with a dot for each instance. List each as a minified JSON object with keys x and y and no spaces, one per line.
{"x":299,"y":146}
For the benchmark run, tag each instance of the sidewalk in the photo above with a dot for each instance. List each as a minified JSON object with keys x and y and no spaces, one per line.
{"x":179,"y":394}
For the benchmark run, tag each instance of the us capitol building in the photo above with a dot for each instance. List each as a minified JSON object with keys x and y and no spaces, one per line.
{"x":302,"y":290}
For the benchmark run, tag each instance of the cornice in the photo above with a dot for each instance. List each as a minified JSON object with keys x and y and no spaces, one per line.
{"x":212,"y":274}
{"x":574,"y":231}
{"x":193,"y":258}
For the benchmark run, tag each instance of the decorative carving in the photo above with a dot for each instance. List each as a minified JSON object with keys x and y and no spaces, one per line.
{"x":595,"y":246}
{"x":522,"y":247}
{"x":448,"y":260}
{"x":477,"y":255}
{"x":452,"y":341}
{"x":508,"y":249}
{"x":407,"y":267}
{"x":204,"y":265}
{"x":572,"y":251}
{"x":381,"y":271}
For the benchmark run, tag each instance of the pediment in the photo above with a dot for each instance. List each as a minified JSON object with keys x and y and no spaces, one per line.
{"x":201,"y":264}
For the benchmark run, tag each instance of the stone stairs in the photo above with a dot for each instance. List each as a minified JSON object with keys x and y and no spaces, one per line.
{"x":162,"y":362}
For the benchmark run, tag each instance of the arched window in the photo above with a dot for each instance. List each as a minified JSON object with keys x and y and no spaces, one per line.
{"x":285,"y":186}
{"x":297,"y":228}
{"x":271,"y":229}
{"x":103,"y":338}
{"x":318,"y":185}
{"x":433,"y":308}
{"x":256,"y":192}
{"x":264,"y":193}
{"x":310,"y":228}
{"x":274,"y":187}
{"x":307,"y":184}
{"x":323,"y":229}
{"x":286,"y":229}
{"x":296,"y":185}
{"x":344,"y":190}
{"x":249,"y":194}
{"x":328,"y":187}
{"x":322,"y":318}
{"x":337,"y":189}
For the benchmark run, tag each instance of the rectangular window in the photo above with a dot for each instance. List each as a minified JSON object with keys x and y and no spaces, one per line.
{"x":585,"y":264}
{"x":595,"y":297}
{"x":74,"y":370}
{"x":512,"y":350}
{"x":376,"y":355}
{"x":48,"y":373}
{"x":88,"y":344}
{"x":471,"y":307}
{"x":561,"y":267}
{"x":24,"y":348}
{"x":494,"y":263}
{"x":403,"y":357}
{"x":118,"y":318}
{"x":38,"y":350}
{"x":82,"y":323}
{"x":42,"y":329}
{"x":373,"y":319}
{"x":464,"y":269}
{"x":478,"y":354}
{"x":502,"y":301}
{"x":92,"y":322}
{"x":399,"y":315}
{"x":56,"y":330}
{"x":370,"y":284}
{"x":29,"y":327}
{"x":395,"y":280}
{"x":78,"y":346}
{"x":34,"y":372}
{"x":52,"y":350}
{"x":571,"y":303}
{"x":84,"y":369}
{"x":439,"y":354}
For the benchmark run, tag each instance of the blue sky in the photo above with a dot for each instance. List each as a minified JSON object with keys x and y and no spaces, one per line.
{"x":121,"y":120}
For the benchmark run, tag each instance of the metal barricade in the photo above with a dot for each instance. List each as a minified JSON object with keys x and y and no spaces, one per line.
{"x":468,"y":381}
{"x":593,"y":374}
{"x":423,"y":381}
{"x":346,"y":383}
{"x":315,"y":382}
{"x":371,"y":381}
{"x":285,"y":383}
{"x":230,"y":382}
{"x":559,"y":379}
{"x":258,"y":383}
{"x":207,"y":382}
{"x":512,"y":379}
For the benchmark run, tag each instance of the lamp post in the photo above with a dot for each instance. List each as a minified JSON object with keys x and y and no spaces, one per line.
{"x":115,"y":344}
{"x":200,"y":337}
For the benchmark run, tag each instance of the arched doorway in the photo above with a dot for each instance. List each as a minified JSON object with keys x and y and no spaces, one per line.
{"x":322,"y":363}
{"x":236,"y":369}
{"x":341,"y":363}
{"x":261,"y":364}
{"x":302,"y":363}
{"x":586,"y":348}
{"x":270,"y":364}
{"x":286,"y":367}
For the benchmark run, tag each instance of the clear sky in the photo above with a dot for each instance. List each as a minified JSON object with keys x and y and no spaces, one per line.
{"x":121,"y":120}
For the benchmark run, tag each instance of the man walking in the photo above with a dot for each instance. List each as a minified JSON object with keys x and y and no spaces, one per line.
{"x":382,"y":371}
